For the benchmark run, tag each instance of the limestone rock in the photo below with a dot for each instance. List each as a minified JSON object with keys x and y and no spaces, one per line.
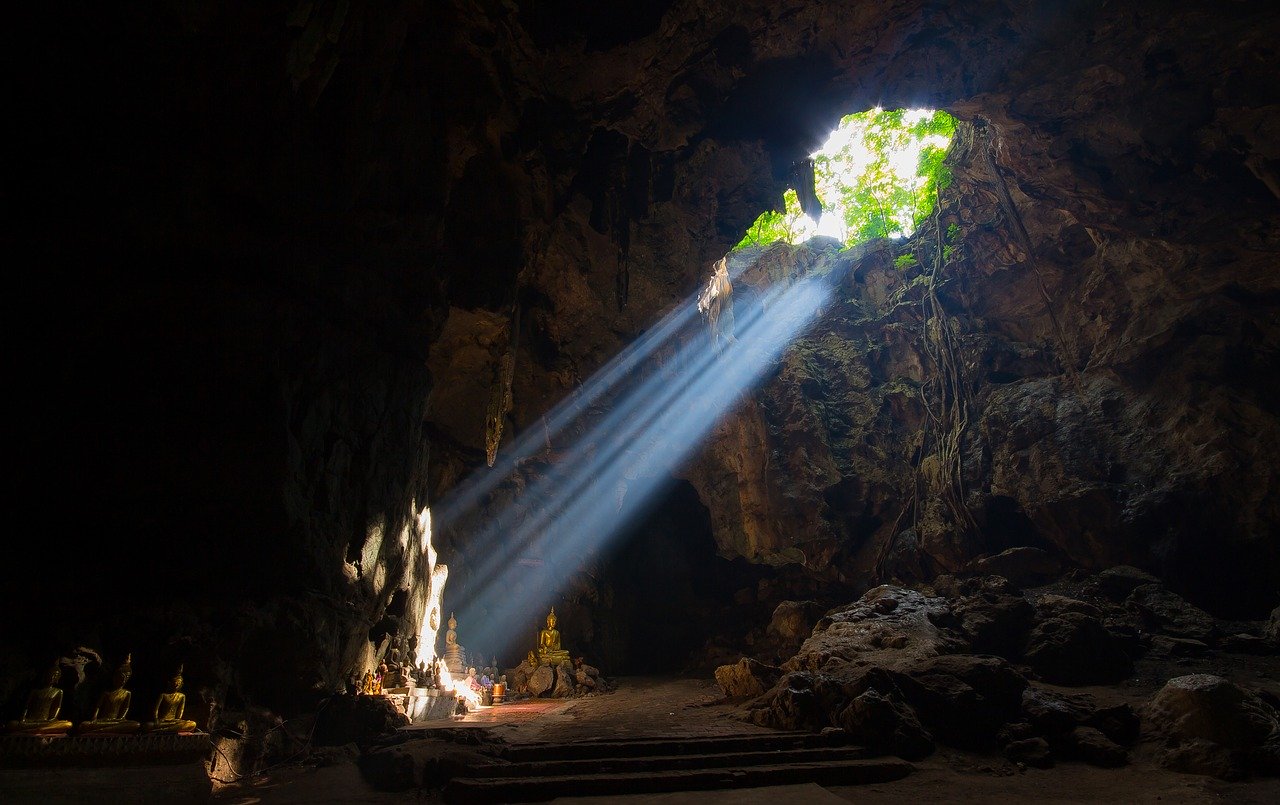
{"x":747,"y":678}
{"x":885,"y":724}
{"x":1170,"y":613}
{"x":1023,"y":566}
{"x":1075,"y":649}
{"x":563,"y":687}
{"x":542,"y":680}
{"x":1092,"y":746}
{"x":1053,"y":714}
{"x":793,"y":621}
{"x":995,"y":622}
{"x":1209,"y":725}
{"x":1117,"y":582}
{"x":964,"y":699}
{"x":1033,"y":752}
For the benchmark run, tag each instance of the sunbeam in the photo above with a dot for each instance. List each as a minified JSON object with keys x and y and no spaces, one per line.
{"x":630,"y":427}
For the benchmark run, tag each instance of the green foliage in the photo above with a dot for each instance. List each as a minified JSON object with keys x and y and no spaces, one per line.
{"x":953,"y":232}
{"x":904,"y":261}
{"x":864,"y":175}
{"x":773,"y":226}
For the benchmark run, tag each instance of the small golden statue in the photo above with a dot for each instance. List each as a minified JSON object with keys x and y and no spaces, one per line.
{"x":40,"y":716}
{"x":454,"y":654}
{"x":170,"y":707}
{"x":549,"y":651}
{"x":109,"y":717}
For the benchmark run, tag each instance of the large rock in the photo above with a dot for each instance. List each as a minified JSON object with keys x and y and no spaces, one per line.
{"x":793,"y":621}
{"x":1209,"y":725}
{"x":1092,"y":746}
{"x":747,"y":678}
{"x":1053,"y":714}
{"x":1076,"y":649}
{"x":355,"y":718}
{"x":964,"y":699}
{"x":885,"y":723}
{"x":994,"y":620}
{"x":542,"y":680}
{"x":1168,"y":612}
{"x":1272,"y":630}
{"x":1117,"y":582}
{"x":564,"y":685}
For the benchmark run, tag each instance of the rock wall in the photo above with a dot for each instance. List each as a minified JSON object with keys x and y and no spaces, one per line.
{"x":267,"y":235}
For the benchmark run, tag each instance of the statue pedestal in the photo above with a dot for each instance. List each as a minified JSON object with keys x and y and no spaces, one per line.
{"x":430,"y":704}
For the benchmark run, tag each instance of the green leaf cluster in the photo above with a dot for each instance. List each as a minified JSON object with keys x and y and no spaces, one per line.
{"x":865,"y":181}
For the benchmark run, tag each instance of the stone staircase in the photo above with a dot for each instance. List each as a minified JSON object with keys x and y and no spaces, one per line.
{"x":537,"y":772}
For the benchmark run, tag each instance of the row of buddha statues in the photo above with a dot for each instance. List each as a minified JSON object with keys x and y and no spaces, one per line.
{"x":110,"y":715}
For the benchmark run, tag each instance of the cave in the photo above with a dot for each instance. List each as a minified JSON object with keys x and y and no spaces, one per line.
{"x":323,"y":298}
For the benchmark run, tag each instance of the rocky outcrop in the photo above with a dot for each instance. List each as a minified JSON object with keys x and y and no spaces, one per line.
{"x":1208,"y":725}
{"x":288,"y":270}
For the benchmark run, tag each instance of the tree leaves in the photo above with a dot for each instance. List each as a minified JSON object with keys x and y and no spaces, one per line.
{"x":881,"y":172}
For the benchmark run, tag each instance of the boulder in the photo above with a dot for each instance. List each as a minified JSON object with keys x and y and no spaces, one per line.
{"x":1178,"y":646}
{"x":1024,"y":566}
{"x":1168,"y":612}
{"x":1052,"y":714}
{"x":995,"y":622}
{"x":1210,"y":726}
{"x":1076,"y":649}
{"x":964,"y":699}
{"x":800,"y":701}
{"x":1272,"y":630}
{"x":885,"y":724}
{"x":563,"y":687}
{"x":1093,"y":747}
{"x":1117,"y":582}
{"x":747,"y":678}
{"x":1051,"y":605}
{"x":542,"y":680}
{"x":1033,"y":752}
{"x":793,"y":621}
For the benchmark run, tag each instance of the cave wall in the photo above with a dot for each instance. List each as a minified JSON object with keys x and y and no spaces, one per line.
{"x":280,"y":248}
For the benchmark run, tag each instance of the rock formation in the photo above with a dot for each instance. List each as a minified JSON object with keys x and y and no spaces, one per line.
{"x":287,"y":255}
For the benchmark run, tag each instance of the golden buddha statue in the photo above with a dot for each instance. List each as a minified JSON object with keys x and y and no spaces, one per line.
{"x":170,"y":707}
{"x":549,"y":651}
{"x":454,"y":654}
{"x":40,"y":716}
{"x":113,"y":706}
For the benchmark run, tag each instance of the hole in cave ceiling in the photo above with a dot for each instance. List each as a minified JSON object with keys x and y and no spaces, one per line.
{"x":876,"y":176}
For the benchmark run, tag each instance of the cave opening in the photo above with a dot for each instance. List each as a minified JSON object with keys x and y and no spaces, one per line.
{"x":877,"y":175}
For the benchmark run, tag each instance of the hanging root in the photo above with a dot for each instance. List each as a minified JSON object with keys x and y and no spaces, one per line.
{"x":944,"y":396}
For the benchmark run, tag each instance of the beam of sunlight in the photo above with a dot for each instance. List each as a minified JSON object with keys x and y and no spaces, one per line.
{"x":623,"y":436}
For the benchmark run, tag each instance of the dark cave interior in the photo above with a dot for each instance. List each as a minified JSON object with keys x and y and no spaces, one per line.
{"x":296,"y":267}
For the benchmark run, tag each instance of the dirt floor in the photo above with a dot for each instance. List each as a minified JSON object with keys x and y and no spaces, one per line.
{"x":691,"y":707}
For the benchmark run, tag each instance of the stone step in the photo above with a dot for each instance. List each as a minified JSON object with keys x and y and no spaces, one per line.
{"x":706,"y":745}
{"x":536,"y":789}
{"x":618,"y":765}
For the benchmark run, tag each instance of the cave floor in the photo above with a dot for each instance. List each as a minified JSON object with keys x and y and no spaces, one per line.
{"x":679,"y":708}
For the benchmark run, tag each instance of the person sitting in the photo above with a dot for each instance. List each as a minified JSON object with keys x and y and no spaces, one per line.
{"x":113,"y":706}
{"x":40,"y":716}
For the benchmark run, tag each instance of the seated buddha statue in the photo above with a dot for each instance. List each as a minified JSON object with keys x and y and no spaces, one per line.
{"x":169,"y":709}
{"x":549,"y":651}
{"x":40,"y":716}
{"x":109,"y":717}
